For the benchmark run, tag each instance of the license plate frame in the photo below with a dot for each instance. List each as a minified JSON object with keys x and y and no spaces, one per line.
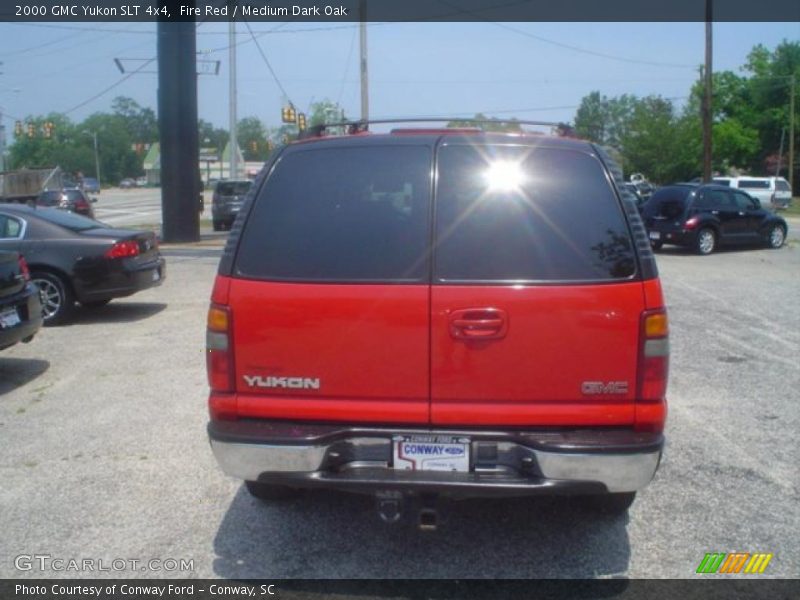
{"x":443,"y":453}
{"x":9,"y":318}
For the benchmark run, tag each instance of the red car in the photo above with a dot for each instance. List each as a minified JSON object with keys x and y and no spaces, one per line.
{"x":439,"y":312}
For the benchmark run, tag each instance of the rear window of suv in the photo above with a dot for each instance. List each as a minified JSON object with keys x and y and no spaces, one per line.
{"x":667,"y":203}
{"x":233,"y":188}
{"x":356,"y":214}
{"x":754,"y":184}
{"x":523,"y":213}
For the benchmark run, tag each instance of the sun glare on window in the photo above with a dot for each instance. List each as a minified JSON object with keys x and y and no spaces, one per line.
{"x":504,"y":176}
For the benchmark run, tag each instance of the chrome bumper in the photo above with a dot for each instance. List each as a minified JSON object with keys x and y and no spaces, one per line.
{"x":516,"y":464}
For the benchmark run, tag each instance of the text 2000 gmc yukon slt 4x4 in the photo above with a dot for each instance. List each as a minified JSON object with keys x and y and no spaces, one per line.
{"x":439,"y":312}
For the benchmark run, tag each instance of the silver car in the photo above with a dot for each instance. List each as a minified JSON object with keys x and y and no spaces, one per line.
{"x":227,"y":201}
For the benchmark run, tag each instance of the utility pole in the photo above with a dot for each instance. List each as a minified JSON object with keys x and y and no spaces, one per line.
{"x":791,"y":133}
{"x":233,"y":170}
{"x":362,"y":11}
{"x":2,"y":142}
{"x":96,"y":155}
{"x":177,"y":121}
{"x":707,"y":99}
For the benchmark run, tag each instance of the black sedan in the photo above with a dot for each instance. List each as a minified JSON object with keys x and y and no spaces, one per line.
{"x":704,"y":217}
{"x":73,"y":258}
{"x":20,"y":310}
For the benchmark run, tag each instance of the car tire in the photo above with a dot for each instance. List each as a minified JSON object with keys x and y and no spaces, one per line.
{"x":776,"y":237}
{"x":610,"y":504}
{"x":96,"y":303}
{"x":56,"y":295}
{"x":217,"y":225}
{"x":268,"y":492}
{"x":656,"y":245}
{"x":706,"y":241}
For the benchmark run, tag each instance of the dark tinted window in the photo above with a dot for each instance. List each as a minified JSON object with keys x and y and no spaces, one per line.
{"x":743,"y":201}
{"x":73,"y":195}
{"x":713,"y":199}
{"x":725,"y":182}
{"x":532,"y":214}
{"x":67,"y":219}
{"x":667,"y":203}
{"x":754,"y":184}
{"x":233,"y":188}
{"x":347,"y":214}
{"x":49,"y":198}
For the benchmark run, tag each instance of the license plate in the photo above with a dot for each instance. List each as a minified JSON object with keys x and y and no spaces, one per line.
{"x":655,"y":235}
{"x":156,"y":275}
{"x":9,"y":318}
{"x":431,"y":453}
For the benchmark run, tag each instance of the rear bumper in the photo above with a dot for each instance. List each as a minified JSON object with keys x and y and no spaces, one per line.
{"x":123,"y":280}
{"x":503,"y":463}
{"x":29,"y":309}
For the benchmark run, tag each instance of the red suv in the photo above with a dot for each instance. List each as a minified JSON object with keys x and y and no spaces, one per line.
{"x":439,"y":312}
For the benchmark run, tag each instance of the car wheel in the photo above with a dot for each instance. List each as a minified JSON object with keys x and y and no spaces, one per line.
{"x":657,"y":245}
{"x":96,"y":303}
{"x":706,"y":241}
{"x":269,"y":492}
{"x":610,"y":504}
{"x":56,"y":297}
{"x":217,"y":225}
{"x":776,"y":237}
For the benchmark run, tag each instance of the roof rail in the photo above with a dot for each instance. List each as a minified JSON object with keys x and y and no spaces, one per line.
{"x":362,"y":126}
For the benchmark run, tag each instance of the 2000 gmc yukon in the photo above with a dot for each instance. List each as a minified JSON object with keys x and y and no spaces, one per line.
{"x":439,"y":312}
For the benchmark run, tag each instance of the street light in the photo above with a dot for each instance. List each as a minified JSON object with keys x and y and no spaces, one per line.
{"x":93,"y":135}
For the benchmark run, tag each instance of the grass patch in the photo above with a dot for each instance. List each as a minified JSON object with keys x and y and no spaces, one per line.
{"x":794,"y":209}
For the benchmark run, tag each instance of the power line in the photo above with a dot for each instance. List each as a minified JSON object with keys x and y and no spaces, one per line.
{"x":346,"y":66}
{"x":266,"y":60}
{"x":39,"y":46}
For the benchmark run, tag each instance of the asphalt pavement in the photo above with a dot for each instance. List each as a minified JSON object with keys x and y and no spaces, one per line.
{"x":103,"y":451}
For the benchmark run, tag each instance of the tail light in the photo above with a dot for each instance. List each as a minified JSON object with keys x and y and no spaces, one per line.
{"x":691,"y":223}
{"x":219,"y":363}
{"x":82,"y":204}
{"x":651,"y":388}
{"x":123,"y":249}
{"x":23,"y":269}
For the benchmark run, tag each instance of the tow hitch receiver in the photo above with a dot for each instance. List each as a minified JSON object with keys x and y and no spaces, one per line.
{"x":390,"y":506}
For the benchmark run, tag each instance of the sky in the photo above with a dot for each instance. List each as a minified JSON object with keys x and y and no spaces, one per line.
{"x":534,"y":71}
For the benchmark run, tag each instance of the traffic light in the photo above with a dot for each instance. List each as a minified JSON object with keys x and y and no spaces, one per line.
{"x":301,"y":122}
{"x":288,"y":114}
{"x":31,"y":130}
{"x":254,"y":146}
{"x":48,"y":129}
{"x":18,"y":128}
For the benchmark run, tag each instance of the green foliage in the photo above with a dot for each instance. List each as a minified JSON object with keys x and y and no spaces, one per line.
{"x":252,"y":137}
{"x":325,"y":111}
{"x":488,"y":124}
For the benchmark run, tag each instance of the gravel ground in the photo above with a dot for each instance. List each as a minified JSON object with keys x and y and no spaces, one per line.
{"x":104,"y":453}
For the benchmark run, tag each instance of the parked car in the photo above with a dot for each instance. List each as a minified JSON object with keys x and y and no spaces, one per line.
{"x":646,"y":189}
{"x":73,"y":200}
{"x":227,"y":201}
{"x":771,"y":192}
{"x":141,"y":182}
{"x":20,"y":310}
{"x":91,"y":185}
{"x":127,"y":184}
{"x":75,"y":258}
{"x":703,"y":217}
{"x":637,"y":196}
{"x":376,"y":329}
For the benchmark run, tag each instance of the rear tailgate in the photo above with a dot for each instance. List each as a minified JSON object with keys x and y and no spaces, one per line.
{"x":536,"y":307}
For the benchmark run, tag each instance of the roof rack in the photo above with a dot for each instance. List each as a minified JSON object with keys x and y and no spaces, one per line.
{"x":362,"y":126}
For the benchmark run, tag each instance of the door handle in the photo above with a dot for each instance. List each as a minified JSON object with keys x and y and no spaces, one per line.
{"x":478,"y":323}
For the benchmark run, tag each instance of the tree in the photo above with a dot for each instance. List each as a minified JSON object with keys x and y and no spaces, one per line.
{"x":252,"y":137}
{"x":325,"y":111}
{"x":212,"y":137}
{"x":488,"y":124}
{"x":141,"y":123}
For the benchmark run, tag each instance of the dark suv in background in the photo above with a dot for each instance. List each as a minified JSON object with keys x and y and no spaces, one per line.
{"x":227,"y":201}
{"x":703,"y":217}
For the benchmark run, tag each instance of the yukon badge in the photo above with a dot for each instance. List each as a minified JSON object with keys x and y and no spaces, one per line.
{"x":293,"y":383}
{"x":592,"y":388}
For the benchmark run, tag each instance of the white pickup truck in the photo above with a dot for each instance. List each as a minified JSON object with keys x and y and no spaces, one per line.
{"x":772,"y":192}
